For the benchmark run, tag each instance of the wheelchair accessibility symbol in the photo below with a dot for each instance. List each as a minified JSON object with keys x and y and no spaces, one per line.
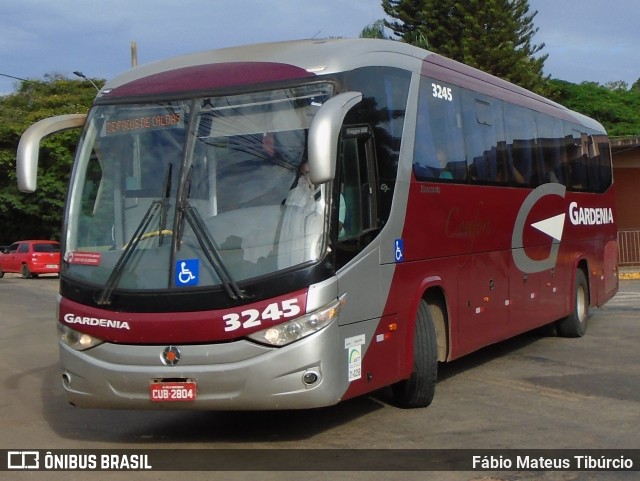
{"x":187,"y":272}
{"x":399,"y":250}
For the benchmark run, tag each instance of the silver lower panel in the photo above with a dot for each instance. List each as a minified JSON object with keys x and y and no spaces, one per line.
{"x":230,"y":376}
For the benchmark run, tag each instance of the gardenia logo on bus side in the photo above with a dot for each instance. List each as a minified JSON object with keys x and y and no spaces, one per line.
{"x":589,"y":216}
{"x":552,"y":226}
{"x":71,"y":318}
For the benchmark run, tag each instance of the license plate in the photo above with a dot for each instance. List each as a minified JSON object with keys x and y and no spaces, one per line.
{"x":52,"y":266}
{"x":173,"y":391}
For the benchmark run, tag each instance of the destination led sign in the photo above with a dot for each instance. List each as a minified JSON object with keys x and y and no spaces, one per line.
{"x":142,"y":123}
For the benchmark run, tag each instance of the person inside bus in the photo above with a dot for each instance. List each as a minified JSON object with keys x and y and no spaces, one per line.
{"x":550,"y":170}
{"x":441,"y":158}
{"x":301,"y":222}
{"x":269,"y":144}
{"x":302,"y":190}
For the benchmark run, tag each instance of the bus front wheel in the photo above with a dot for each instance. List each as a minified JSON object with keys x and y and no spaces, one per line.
{"x":575,"y":324}
{"x":419,"y":389}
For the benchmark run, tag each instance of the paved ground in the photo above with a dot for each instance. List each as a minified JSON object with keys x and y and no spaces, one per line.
{"x":531,"y":392}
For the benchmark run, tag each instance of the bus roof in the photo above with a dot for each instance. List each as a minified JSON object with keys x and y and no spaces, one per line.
{"x":319,"y":57}
{"x":288,"y":60}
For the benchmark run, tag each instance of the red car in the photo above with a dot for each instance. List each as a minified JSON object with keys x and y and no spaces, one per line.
{"x":31,"y":257}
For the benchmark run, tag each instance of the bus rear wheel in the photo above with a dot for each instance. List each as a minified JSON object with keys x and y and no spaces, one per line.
{"x":575,"y":324}
{"x":419,"y":389}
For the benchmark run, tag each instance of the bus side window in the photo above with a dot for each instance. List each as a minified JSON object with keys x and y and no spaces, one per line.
{"x":603,"y":165}
{"x":439,"y":153}
{"x":599,"y":163}
{"x":356,"y":194}
{"x":483,"y":127}
{"x":522,"y":149}
{"x":357,"y":209}
{"x":550,"y":149}
{"x":577,"y":160}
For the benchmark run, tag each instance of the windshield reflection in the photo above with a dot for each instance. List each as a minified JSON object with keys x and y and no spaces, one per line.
{"x":245,"y":160}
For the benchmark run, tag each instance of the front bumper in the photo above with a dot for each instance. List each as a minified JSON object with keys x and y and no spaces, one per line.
{"x":238,"y":375}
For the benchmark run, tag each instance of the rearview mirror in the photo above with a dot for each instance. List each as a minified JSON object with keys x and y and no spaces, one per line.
{"x":323,"y":135}
{"x":29,"y":146}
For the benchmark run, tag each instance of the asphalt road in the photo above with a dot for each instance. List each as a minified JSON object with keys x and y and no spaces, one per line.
{"x":531,"y":392}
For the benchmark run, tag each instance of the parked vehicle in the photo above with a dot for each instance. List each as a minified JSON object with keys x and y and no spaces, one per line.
{"x":31,"y":258}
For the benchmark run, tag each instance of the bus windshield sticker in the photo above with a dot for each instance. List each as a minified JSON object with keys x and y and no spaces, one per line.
{"x":353,"y":345}
{"x":85,"y":258}
{"x":187,"y":272}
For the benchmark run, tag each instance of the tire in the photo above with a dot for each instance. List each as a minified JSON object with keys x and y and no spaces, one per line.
{"x":1,"y":273}
{"x":575,"y":324}
{"x":419,"y":389}
{"x":25,"y":272}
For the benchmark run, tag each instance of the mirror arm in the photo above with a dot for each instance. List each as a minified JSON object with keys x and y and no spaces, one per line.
{"x":29,"y":146}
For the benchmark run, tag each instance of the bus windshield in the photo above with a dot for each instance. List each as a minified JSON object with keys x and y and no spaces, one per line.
{"x":194,"y":193}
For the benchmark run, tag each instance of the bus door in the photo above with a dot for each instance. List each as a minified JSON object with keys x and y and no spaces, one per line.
{"x":357,"y":264}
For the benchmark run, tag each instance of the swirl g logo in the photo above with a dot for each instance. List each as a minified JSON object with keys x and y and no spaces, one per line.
{"x":552,"y":226}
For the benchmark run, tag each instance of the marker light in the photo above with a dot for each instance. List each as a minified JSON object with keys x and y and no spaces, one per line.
{"x":304,"y":326}
{"x":77,"y":340}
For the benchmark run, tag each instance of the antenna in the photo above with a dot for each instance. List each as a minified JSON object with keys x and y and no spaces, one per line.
{"x":134,"y":54}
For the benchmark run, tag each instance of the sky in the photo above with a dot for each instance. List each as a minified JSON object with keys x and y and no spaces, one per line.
{"x":586,"y":40}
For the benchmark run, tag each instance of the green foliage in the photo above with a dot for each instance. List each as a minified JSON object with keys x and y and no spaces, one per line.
{"x":38,"y":215}
{"x":615,"y":107}
{"x":491,"y":35}
{"x":375,"y":30}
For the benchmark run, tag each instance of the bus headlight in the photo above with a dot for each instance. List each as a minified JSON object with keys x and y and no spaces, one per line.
{"x":77,"y":340}
{"x":291,"y":331}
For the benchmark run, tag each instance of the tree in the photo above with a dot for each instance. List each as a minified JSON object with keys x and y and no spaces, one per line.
{"x":617,"y":85}
{"x":375,"y":30}
{"x":616,"y":109}
{"x":38,"y":215}
{"x":493,"y":35}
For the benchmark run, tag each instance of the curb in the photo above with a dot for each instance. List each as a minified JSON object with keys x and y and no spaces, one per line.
{"x":629,"y":275}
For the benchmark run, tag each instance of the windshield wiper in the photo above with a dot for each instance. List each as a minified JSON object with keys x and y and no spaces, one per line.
{"x":212,"y":252}
{"x":208,"y":245}
{"x":105,"y":297}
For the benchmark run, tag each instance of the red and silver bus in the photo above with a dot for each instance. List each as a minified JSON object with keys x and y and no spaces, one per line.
{"x":293,"y":224}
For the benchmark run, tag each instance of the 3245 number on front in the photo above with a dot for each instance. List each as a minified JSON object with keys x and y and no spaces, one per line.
{"x":251,"y":318}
